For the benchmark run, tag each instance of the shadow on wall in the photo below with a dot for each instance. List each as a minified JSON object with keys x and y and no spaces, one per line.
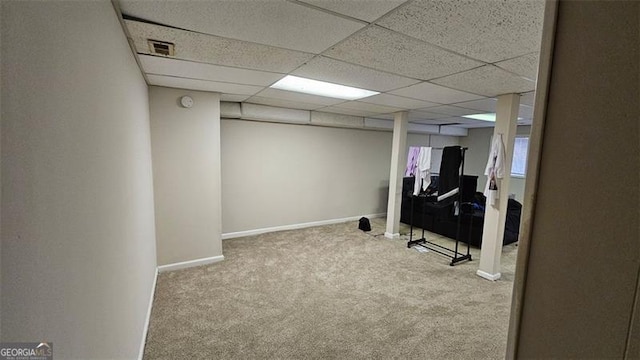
{"x":383,"y":196}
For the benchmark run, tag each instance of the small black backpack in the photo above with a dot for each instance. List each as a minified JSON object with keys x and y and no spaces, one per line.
{"x":364,"y":225}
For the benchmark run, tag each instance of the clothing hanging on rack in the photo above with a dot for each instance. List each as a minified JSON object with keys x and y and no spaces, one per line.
{"x":450,"y":189}
{"x":423,"y":166}
{"x":412,"y":161}
{"x":449,"y":177}
{"x":494,"y":169}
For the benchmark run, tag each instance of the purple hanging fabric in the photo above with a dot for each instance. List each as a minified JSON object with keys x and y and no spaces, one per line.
{"x":412,"y":161}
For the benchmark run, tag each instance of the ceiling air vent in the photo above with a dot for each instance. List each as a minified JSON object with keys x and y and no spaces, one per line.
{"x":161,"y":47}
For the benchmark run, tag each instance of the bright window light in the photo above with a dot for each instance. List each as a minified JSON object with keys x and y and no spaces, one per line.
{"x":483,"y":117}
{"x":519,"y":162}
{"x":321,"y":88}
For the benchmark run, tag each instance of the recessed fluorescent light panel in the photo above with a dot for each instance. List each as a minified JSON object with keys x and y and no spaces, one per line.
{"x":483,"y":117}
{"x":321,"y":88}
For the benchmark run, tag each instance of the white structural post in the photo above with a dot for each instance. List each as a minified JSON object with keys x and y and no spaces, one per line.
{"x":495,"y":216}
{"x":398,"y":158}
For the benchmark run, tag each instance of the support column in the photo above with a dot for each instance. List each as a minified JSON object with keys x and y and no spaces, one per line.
{"x":398,"y":157}
{"x":495,"y":216}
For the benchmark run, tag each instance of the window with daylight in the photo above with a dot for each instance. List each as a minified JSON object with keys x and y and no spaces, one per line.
{"x":519,"y":163}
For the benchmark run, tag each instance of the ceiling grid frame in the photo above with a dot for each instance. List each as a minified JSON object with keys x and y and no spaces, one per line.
{"x":392,"y":83}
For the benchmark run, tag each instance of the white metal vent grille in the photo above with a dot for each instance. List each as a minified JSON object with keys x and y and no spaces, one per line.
{"x":161,"y":47}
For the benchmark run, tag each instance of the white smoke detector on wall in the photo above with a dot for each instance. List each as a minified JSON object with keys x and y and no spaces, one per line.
{"x":186,"y":101}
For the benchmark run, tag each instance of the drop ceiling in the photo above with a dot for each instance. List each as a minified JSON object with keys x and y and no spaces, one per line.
{"x":439,"y":60}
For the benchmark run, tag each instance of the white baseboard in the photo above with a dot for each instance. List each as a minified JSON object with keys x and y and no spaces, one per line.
{"x":163,"y":268}
{"x":296,"y":226}
{"x":146,"y":321}
{"x":389,"y":235}
{"x":486,"y":275}
{"x":190,"y":263}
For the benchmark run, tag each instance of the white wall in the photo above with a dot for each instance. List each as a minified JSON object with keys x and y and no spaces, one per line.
{"x":282,"y":174}
{"x":186,"y":174}
{"x":78,"y":241}
{"x":584,"y":250}
{"x":478,"y":142}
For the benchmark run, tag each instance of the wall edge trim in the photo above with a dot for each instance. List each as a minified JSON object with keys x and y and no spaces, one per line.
{"x":534,"y":156}
{"x":190,"y":263}
{"x":486,"y":275}
{"x":252,"y":232}
{"x":145,"y":330}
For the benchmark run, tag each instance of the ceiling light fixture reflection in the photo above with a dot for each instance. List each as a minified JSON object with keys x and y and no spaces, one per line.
{"x":483,"y":117}
{"x":321,"y":88}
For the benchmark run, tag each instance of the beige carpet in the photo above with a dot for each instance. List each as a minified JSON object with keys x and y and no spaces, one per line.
{"x":331,"y":292}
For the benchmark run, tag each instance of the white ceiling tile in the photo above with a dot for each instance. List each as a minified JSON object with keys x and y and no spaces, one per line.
{"x":488,"y":80}
{"x":296,"y":96}
{"x":180,"y":68}
{"x":194,"y":84}
{"x":366,"y":10}
{"x":425,"y":115}
{"x":397,"y":101}
{"x":217,"y":50}
{"x":283,"y":103}
{"x":278,"y":23}
{"x":388,"y":51}
{"x":435,"y":93}
{"x":375,"y":58}
{"x":339,"y":72}
{"x":371,"y":108}
{"x":345,"y":111}
{"x":528,"y":98}
{"x":486,"y":104}
{"x":486,"y":30}
{"x":450,"y":110}
{"x":526,"y":66}
{"x":233,"y":97}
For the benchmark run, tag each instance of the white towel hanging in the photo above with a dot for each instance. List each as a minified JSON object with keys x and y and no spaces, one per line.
{"x":494,"y":169}
{"x":423,"y":175}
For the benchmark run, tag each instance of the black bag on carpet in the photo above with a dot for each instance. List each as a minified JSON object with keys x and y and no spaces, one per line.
{"x":364,"y":225}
